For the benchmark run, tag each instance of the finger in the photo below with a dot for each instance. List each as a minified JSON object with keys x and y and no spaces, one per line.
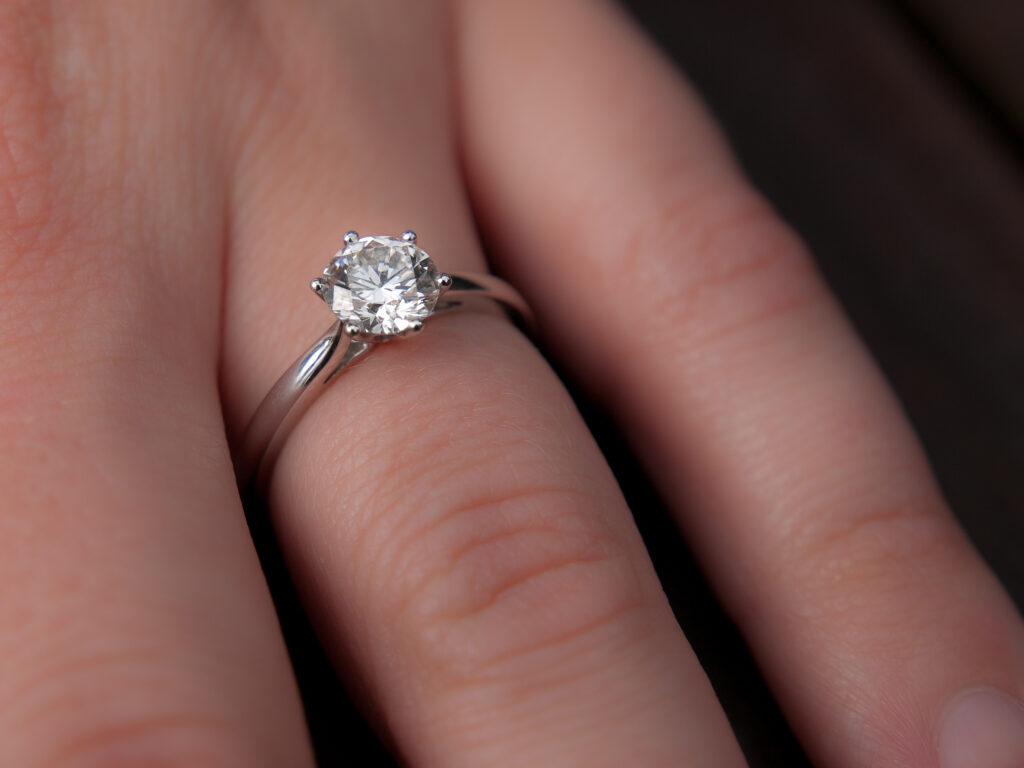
{"x":789,"y":461}
{"x":135,"y":628}
{"x":455,"y":532}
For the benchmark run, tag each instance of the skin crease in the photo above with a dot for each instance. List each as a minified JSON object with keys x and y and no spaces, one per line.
{"x":791,"y":467}
{"x":172,"y":175}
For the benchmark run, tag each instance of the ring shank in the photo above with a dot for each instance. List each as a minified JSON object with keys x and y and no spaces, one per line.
{"x":490,"y":287}
{"x":334,"y":351}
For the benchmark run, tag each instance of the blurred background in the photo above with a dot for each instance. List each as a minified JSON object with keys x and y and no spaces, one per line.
{"x":890,"y":134}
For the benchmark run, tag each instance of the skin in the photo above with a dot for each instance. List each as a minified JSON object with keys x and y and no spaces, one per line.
{"x":171,"y":176}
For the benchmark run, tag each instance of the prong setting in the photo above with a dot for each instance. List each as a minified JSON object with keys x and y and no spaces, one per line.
{"x":380,"y":287}
{"x":444,"y":281}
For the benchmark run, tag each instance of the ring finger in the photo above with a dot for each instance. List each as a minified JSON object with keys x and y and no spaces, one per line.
{"x":449,"y":521}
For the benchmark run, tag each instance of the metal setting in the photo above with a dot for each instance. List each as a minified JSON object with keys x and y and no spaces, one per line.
{"x":340,"y":346}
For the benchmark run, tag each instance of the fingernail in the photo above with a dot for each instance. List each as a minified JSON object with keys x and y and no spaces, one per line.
{"x":982,"y":729}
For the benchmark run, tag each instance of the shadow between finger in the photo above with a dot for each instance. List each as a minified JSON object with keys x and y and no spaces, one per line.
{"x":340,"y":734}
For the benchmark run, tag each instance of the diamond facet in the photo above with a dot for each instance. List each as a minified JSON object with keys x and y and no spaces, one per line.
{"x":382,"y":285}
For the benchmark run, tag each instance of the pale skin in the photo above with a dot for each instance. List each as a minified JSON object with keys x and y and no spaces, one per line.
{"x":171,"y":177}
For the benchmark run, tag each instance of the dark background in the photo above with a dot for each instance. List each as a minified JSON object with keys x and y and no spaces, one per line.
{"x":889,"y":133}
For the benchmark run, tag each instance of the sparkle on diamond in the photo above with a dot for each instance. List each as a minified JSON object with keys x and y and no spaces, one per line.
{"x":382,"y":284}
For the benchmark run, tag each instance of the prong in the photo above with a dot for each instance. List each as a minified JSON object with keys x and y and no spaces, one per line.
{"x":415,"y":326}
{"x":409,"y":236}
{"x":318,"y":286}
{"x":351,"y":237}
{"x":352,"y":329}
{"x":445,"y":281}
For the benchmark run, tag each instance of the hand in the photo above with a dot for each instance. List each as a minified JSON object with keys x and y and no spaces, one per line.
{"x":171,"y":177}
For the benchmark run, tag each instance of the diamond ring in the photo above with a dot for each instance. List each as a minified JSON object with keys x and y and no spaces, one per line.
{"x":379,"y":288}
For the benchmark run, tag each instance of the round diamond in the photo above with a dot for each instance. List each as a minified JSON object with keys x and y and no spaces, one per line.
{"x":382,"y":285}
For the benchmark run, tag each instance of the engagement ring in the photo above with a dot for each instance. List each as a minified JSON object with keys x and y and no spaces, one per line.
{"x":380,"y":288}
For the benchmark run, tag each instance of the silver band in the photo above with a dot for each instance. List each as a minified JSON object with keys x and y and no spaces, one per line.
{"x":336,"y":350}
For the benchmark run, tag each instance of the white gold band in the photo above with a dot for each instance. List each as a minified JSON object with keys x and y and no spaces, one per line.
{"x":334,"y":351}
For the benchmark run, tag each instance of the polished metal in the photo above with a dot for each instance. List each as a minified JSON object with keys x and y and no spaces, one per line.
{"x":337,"y":349}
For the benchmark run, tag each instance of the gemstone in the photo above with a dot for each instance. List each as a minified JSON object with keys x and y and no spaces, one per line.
{"x":382,"y":285}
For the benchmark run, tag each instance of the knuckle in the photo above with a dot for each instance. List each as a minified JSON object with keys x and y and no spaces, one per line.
{"x":499,"y":579}
{"x":71,"y":221}
{"x":877,"y":551}
{"x":46,"y":199}
{"x":498,"y":543}
{"x":25,"y":194}
{"x":736,"y":265}
{"x":134,"y":717}
{"x":165,"y":741}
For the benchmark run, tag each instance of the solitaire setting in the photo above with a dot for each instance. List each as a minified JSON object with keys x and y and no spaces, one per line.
{"x":379,"y":288}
